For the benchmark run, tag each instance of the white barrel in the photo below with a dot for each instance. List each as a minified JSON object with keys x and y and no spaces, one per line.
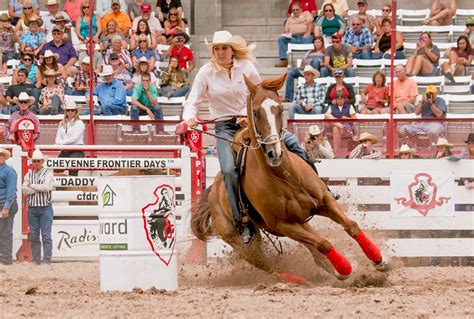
{"x":137,"y":234}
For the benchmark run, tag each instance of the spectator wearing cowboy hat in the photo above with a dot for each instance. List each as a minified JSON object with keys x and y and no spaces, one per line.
{"x":366,"y":19}
{"x":50,"y":62}
{"x":111,"y":93}
{"x":52,"y":95}
{"x":62,"y":23}
{"x":468,"y":153}
{"x":24,"y":101}
{"x":143,"y":51}
{"x":33,"y":37}
{"x":365,"y":148}
{"x":181,"y":52}
{"x":8,"y":38}
{"x":48,"y":17}
{"x":65,"y":49}
{"x":309,"y":97}
{"x":153,"y":23}
{"x":121,"y":73}
{"x":443,"y":148}
{"x":123,"y":20}
{"x":316,"y":144}
{"x":82,"y":78}
{"x":8,"y":206}
{"x":431,"y":106}
{"x":37,"y":186}
{"x":405,"y":152}
{"x":145,"y":101}
{"x":71,"y":132}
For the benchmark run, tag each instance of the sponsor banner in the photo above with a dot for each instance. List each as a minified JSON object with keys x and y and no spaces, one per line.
{"x":75,"y":239}
{"x":422,"y":194}
{"x":110,"y":163}
{"x":69,"y":181}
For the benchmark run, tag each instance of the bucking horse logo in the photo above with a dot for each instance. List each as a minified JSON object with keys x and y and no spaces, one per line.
{"x":159,"y":222}
{"x":422,"y":193}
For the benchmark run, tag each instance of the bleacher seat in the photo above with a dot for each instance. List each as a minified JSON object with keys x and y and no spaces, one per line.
{"x":462,"y":85}
{"x":366,"y":67}
{"x":424,"y":81}
{"x":461,"y":16}
{"x":5,"y":81}
{"x":412,"y":17}
{"x":297,"y":51}
{"x":460,"y":104}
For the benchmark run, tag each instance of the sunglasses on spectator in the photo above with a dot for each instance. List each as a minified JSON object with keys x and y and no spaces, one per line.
{"x":36,"y":161}
{"x":27,"y":60}
{"x":70,"y":110}
{"x":27,"y":8}
{"x":23,"y":102}
{"x":113,"y":59}
{"x":354,"y":24}
{"x":386,"y":10}
{"x":172,"y":14}
{"x":328,"y":10}
{"x":142,"y":41}
{"x":85,"y":7}
{"x":4,"y":21}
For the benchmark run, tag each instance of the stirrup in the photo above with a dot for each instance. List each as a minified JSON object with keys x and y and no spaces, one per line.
{"x":247,"y":234}
{"x":335,"y":195}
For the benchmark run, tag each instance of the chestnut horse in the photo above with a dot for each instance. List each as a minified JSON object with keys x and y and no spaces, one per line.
{"x":284,"y":190}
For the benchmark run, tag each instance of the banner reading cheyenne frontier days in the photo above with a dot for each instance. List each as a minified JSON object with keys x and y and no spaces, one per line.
{"x":422,"y":194}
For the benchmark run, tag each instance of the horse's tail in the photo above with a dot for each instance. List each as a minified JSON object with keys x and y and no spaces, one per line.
{"x":201,"y":217}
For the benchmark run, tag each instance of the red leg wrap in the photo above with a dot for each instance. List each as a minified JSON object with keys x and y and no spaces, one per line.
{"x":368,"y":247}
{"x":339,"y":262}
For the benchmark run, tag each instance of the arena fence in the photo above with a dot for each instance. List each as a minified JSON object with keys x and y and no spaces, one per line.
{"x":369,"y":188}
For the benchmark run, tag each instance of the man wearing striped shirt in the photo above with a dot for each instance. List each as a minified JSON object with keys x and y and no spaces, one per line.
{"x":309,"y":97}
{"x":8,"y":206}
{"x":37,"y":186}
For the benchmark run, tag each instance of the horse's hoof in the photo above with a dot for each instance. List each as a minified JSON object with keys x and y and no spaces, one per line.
{"x":341,"y":277}
{"x":384,"y":265}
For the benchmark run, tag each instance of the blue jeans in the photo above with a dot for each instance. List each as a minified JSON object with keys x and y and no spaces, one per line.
{"x":364,"y":55}
{"x":284,"y":41}
{"x":40,"y":220}
{"x":9,"y":109}
{"x":135,"y":112}
{"x":6,"y":233}
{"x":54,"y":108}
{"x":299,"y":109}
{"x":175,"y":92}
{"x":112,"y":109}
{"x":348,"y":73}
{"x":295,"y":74}
{"x":225,"y":155}
{"x":380,"y":55}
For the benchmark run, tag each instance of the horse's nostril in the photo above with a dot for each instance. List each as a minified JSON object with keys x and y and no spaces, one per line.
{"x":270,"y":154}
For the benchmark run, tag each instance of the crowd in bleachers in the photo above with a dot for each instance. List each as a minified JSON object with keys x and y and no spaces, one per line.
{"x":46,"y":55}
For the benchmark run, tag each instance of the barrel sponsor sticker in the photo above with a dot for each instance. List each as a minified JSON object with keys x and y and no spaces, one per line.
{"x":159,"y":222}
{"x":108,"y":196}
{"x":113,"y":234}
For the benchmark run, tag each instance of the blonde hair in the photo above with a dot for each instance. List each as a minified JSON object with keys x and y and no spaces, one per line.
{"x":74,"y":120}
{"x":27,"y":3}
{"x":240,"y":51}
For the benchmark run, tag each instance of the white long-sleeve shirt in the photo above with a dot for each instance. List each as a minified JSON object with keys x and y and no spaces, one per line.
{"x":70,"y":134}
{"x":227,"y":96}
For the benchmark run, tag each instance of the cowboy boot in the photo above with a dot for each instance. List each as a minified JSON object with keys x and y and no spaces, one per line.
{"x":282,"y":64}
{"x":311,"y":163}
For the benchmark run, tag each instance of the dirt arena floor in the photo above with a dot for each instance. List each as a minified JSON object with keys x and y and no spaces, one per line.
{"x":231,"y":289}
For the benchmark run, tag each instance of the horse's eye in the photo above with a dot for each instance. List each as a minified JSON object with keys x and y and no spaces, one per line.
{"x":255,"y":113}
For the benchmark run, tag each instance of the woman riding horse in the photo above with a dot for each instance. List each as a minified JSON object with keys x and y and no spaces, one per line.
{"x":221,"y":80}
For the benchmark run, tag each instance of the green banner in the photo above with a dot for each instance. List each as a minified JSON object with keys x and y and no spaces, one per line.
{"x":113,"y":246}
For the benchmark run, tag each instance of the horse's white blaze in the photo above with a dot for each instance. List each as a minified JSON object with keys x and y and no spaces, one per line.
{"x":267,"y":106}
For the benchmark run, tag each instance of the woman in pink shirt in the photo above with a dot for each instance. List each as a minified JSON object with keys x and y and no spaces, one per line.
{"x":375,"y":95}
{"x":73,"y":10}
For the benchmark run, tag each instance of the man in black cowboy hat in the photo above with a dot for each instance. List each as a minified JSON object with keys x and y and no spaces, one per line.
{"x":179,"y":51}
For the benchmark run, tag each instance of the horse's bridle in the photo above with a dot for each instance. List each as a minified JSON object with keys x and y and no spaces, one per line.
{"x":270,"y":139}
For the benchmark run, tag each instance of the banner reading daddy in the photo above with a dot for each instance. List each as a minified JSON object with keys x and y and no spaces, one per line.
{"x":109,"y":163}
{"x":422,"y":194}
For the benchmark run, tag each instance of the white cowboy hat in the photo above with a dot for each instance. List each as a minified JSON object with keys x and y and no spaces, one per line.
{"x":48,"y":54}
{"x":442,"y":142}
{"x":406,"y":149}
{"x":225,"y":37}
{"x":309,"y":68}
{"x":143,"y":60}
{"x":24,"y":97}
{"x":37,"y":155}
{"x":107,"y":70}
{"x":51,"y":2}
{"x":86,"y":60}
{"x":71,"y":105}
{"x":4,"y":152}
{"x":314,"y":130}
{"x":368,"y":137}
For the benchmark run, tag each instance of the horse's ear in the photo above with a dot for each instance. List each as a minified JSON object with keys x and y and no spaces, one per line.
{"x":281,"y":80}
{"x":252,"y":87}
